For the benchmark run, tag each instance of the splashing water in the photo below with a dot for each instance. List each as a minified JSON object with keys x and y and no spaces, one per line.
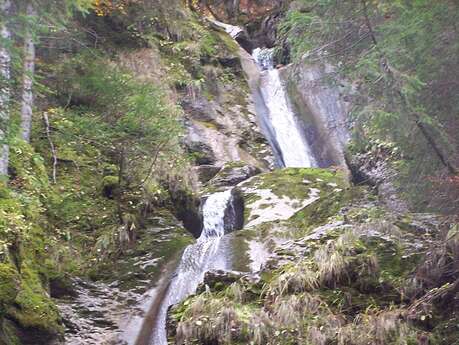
{"x":288,"y":132}
{"x":207,"y":253}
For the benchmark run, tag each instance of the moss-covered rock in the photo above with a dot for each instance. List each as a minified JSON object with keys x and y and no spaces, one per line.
{"x":342,"y":270}
{"x":281,"y":194}
{"x":9,"y":286}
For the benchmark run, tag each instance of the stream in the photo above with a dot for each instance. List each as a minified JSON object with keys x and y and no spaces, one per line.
{"x":209,"y":252}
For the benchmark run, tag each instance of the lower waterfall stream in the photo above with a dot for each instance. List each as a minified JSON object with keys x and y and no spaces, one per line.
{"x":207,"y":253}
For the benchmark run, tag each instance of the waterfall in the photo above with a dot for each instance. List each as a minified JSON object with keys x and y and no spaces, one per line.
{"x":207,"y":253}
{"x":287,"y":138}
{"x":288,"y":132}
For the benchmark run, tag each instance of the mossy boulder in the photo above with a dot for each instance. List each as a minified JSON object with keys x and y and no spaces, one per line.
{"x":281,"y":194}
{"x":110,"y":186}
{"x":33,"y":306}
{"x":231,"y":174}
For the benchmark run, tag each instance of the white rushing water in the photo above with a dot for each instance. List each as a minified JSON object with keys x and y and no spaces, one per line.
{"x":206,"y":254}
{"x":289,"y":134}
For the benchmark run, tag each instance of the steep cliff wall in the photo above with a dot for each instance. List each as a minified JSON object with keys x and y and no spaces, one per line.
{"x":322,"y":109}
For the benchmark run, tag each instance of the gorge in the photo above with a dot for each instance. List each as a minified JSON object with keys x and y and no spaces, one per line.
{"x":218,"y":172}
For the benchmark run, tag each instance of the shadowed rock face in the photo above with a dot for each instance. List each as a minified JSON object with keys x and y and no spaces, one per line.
{"x":232,"y":175}
{"x":258,"y":17}
{"x":322,"y":109}
{"x":234,"y":214}
{"x":240,"y":11}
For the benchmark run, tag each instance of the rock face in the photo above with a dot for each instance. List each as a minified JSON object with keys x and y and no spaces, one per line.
{"x":226,"y":129}
{"x":322,"y":109}
{"x":259,"y":18}
{"x":234,"y":214}
{"x":96,"y":312}
{"x":233,"y":173}
{"x":341,"y":268}
{"x":373,"y":168}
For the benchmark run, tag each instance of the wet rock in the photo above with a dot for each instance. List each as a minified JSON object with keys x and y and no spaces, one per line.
{"x":62,"y":287}
{"x":217,"y":280}
{"x":322,"y":110}
{"x":372,"y":168}
{"x":186,"y":207}
{"x":206,"y":172}
{"x":259,"y":18}
{"x":202,"y":153}
{"x":233,"y":173}
{"x":234,"y":214}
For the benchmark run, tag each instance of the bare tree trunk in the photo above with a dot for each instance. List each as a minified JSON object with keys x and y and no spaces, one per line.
{"x":368,"y":22}
{"x":121,"y":163}
{"x":28,"y":70}
{"x":51,"y":145}
{"x":5,"y":62}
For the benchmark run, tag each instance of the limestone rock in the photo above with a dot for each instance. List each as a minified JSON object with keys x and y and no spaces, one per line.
{"x":232,"y":174}
{"x":206,"y":172}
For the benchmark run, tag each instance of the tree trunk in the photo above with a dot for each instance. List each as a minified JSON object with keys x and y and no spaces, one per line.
{"x":51,"y":145}
{"x":368,"y":22}
{"x":119,"y":196}
{"x":5,"y":62}
{"x":28,"y":70}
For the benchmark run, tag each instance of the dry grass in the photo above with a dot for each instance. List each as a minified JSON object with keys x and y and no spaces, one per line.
{"x":441,"y":263}
{"x":379,"y":329}
{"x":291,"y":310}
{"x":333,"y":258}
{"x":218,"y":325}
{"x":208,"y":319}
{"x":236,"y":292}
{"x":331,"y":263}
{"x":260,"y":328}
{"x":295,"y":279}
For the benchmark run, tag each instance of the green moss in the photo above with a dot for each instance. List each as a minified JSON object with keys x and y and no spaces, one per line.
{"x":295,"y":183}
{"x":33,"y":307}
{"x":8,"y":333}
{"x":9,"y":285}
{"x":207,"y":124}
{"x":395,"y":265}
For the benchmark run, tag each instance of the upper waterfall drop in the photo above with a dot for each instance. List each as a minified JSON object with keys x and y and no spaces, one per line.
{"x":287,"y":129}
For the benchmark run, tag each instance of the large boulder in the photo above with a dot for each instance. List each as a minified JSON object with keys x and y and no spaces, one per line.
{"x":233,"y":173}
{"x":206,"y":172}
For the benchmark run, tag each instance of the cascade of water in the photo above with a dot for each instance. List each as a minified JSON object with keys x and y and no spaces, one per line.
{"x":207,"y":253}
{"x":287,"y":130}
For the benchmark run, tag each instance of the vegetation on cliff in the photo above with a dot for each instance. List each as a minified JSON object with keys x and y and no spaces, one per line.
{"x":400,"y":59}
{"x":103,"y":158}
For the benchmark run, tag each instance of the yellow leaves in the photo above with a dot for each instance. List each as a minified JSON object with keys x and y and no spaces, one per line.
{"x":106,"y":7}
